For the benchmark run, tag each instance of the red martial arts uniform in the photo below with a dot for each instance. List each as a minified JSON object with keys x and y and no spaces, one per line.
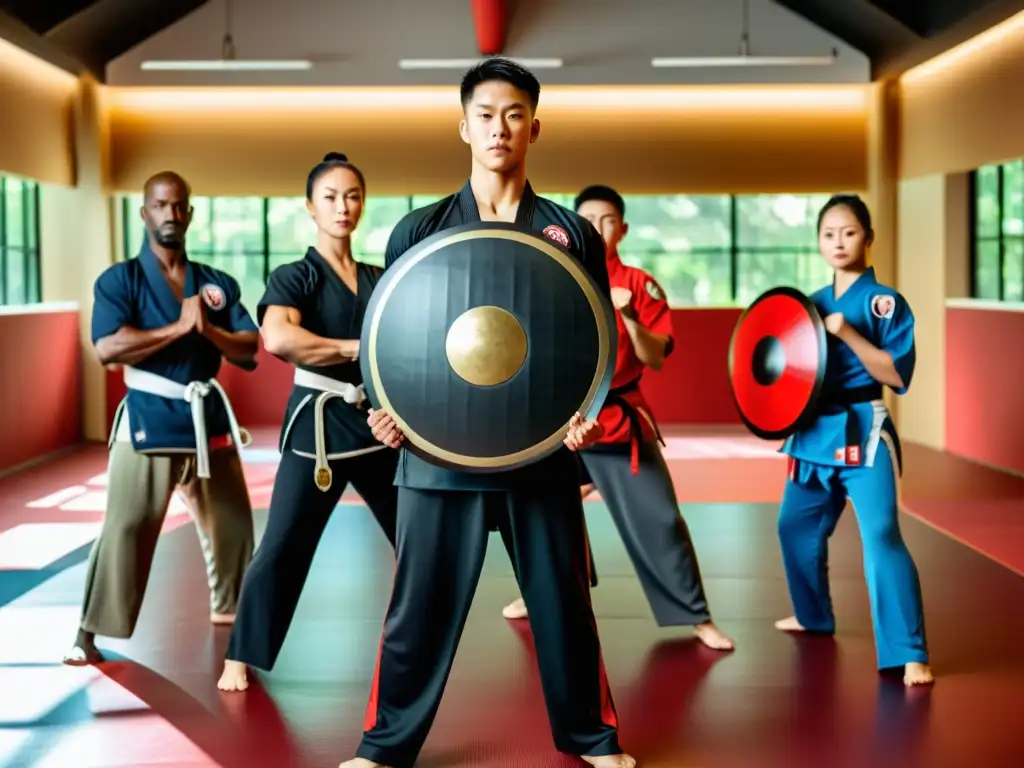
{"x":626,"y":417}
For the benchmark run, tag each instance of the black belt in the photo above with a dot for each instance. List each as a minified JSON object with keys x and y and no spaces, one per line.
{"x":842,"y":402}
{"x":629,"y":411}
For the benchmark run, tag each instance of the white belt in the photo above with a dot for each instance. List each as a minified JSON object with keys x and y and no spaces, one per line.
{"x":194,"y":393}
{"x":329,"y":389}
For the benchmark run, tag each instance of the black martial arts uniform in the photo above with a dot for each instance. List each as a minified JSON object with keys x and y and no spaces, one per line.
{"x":443,"y":521}
{"x":313,"y":472}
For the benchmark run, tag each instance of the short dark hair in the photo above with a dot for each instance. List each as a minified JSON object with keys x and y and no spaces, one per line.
{"x":505,"y":70}
{"x":331,"y":161}
{"x":857,"y":207}
{"x":602,"y":193}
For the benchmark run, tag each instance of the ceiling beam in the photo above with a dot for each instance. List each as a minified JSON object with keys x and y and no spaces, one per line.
{"x":106,"y":29}
{"x":16,"y":33}
{"x":859,"y":24}
{"x":912,"y":15}
{"x":40,"y":16}
{"x":993,"y":13}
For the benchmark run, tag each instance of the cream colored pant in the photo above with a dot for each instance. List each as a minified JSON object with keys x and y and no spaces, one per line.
{"x":139,"y":490}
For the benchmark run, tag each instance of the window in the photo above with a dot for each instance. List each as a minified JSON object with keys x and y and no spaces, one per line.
{"x":777,"y":244}
{"x":249,"y":237}
{"x":705,"y":250}
{"x":997,"y":258}
{"x":20,"y":282}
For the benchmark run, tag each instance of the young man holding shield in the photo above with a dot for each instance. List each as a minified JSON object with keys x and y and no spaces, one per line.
{"x":444,"y":515}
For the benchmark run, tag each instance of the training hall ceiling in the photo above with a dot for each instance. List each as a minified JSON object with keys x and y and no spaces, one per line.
{"x":90,"y":33}
{"x":893,"y":34}
{"x":898,"y":34}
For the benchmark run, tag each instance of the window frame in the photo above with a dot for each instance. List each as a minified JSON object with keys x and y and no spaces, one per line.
{"x":30,"y":253}
{"x":1000,"y":238}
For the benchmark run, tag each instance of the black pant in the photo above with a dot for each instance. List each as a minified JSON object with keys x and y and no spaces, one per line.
{"x":298,"y":514}
{"x":646,"y":513}
{"x":442,"y":540}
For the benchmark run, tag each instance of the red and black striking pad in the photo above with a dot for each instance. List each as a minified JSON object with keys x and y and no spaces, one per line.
{"x":777,"y":361}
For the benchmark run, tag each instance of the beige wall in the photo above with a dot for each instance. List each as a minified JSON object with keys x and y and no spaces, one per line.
{"x":965,"y":108}
{"x":881,"y":192}
{"x":933,"y":249}
{"x":700,"y":140}
{"x":960,"y":110}
{"x":36,"y":133}
{"x":76,"y":240}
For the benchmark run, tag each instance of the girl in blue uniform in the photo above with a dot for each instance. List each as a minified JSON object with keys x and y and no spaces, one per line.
{"x":851,"y":451}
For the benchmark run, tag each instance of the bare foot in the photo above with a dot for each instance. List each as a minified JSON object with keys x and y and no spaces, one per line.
{"x":789,"y":624}
{"x":222,"y":618}
{"x":234,"y":677}
{"x":360,"y":762}
{"x":916,"y":673}
{"x":83,"y":656}
{"x":610,"y":761}
{"x":84,"y":652}
{"x":713,"y":637}
{"x":515,"y":610}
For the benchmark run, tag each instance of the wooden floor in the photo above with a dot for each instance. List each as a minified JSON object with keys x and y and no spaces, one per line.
{"x":776,"y":701}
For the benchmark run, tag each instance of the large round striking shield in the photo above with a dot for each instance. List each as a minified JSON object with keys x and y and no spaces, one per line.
{"x":482,"y":342}
{"x":777,"y":361}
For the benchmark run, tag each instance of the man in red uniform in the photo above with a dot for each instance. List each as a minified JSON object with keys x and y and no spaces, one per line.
{"x":626,"y":465}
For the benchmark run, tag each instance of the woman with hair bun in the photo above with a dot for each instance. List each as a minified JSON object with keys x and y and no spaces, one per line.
{"x":851,"y":451}
{"x":311,"y":316}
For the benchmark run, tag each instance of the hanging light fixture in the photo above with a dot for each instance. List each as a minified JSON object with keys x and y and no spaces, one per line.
{"x":228,"y":61}
{"x":743,"y":58}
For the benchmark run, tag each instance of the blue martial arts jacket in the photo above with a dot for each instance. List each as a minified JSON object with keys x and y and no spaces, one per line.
{"x":136,"y":293}
{"x":851,"y":417}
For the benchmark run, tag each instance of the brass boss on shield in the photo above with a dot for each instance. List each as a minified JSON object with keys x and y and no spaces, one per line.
{"x":486,"y":346}
{"x":482,"y":342}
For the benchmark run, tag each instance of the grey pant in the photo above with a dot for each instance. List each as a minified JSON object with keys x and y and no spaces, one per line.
{"x":646,"y":513}
{"x":139,"y":489}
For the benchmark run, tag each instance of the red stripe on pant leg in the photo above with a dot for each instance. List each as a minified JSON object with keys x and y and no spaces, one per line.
{"x":608,"y":714}
{"x":370,"y":718}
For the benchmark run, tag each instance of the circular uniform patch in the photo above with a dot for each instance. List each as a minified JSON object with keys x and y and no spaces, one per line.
{"x":883,"y":306}
{"x":556,"y":233}
{"x":483,"y":342}
{"x":777,"y":361}
{"x":213,"y":296}
{"x":654,"y":291}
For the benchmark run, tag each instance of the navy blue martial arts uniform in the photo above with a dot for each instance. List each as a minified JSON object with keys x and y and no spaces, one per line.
{"x":325,"y":444}
{"x":851,"y":450}
{"x":175,"y":427}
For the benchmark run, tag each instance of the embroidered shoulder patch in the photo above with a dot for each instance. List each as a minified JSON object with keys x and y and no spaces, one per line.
{"x":883,"y":306}
{"x":654,"y":291}
{"x":213,"y":296}
{"x":556,"y":233}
